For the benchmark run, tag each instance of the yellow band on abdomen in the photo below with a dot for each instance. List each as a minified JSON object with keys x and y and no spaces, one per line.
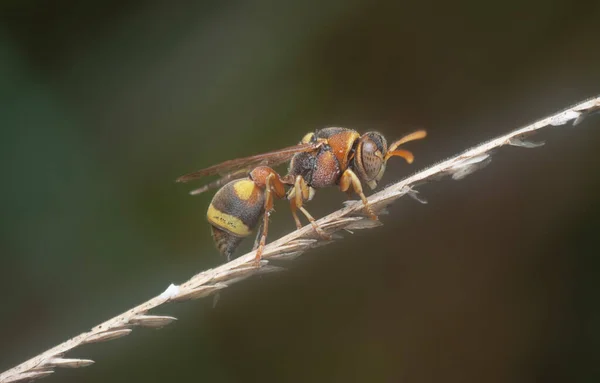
{"x":244,"y":189}
{"x":227,"y":222}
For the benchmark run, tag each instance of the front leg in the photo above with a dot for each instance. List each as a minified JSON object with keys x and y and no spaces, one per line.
{"x":349,"y":178}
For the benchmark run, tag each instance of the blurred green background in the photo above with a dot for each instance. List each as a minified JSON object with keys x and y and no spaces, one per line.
{"x":104,"y":104}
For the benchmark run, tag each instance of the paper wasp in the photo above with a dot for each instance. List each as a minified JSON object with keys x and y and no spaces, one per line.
{"x":326,"y":157}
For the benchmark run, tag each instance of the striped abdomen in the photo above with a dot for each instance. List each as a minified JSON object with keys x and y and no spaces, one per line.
{"x":234,"y":212}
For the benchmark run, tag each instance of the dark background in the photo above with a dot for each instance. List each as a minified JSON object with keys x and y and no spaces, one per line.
{"x":104,"y":104}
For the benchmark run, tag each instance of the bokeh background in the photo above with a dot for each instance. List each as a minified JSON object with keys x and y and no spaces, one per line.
{"x":104,"y":104}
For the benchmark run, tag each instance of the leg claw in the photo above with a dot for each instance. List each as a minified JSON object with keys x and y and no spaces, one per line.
{"x":320,"y":232}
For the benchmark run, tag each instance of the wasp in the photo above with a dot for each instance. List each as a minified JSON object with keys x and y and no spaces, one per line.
{"x":323,"y":158}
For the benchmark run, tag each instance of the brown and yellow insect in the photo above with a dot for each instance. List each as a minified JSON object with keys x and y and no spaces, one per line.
{"x":248,"y":188}
{"x":326,"y":157}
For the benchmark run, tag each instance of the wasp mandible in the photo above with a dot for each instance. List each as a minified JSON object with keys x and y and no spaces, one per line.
{"x":323,"y":158}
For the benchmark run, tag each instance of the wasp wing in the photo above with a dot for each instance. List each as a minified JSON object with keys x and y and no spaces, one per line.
{"x":239,"y":167}
{"x":221,"y":181}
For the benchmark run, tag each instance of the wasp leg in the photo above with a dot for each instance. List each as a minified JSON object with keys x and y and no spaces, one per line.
{"x":294,"y":207}
{"x":274,"y":186}
{"x":348,"y":179}
{"x":258,"y":235}
{"x":315,"y":226}
{"x":298,"y":194}
{"x":265,"y":225}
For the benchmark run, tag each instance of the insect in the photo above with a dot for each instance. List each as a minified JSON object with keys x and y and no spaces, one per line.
{"x":324,"y":158}
{"x":248,"y":187}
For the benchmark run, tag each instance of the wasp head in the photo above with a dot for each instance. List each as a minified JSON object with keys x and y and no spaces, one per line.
{"x":372,"y":153}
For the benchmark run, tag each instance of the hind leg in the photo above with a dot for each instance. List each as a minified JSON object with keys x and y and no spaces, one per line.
{"x":265,"y":225}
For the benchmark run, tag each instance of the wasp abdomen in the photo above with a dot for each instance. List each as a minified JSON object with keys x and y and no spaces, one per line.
{"x":225,"y":242}
{"x":234,"y":212}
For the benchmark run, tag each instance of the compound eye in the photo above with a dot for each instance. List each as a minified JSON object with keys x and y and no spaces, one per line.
{"x":372,"y":159}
